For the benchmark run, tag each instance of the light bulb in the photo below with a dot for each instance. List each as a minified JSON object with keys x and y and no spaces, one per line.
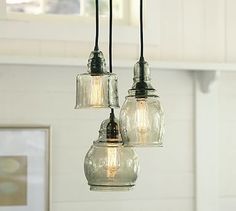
{"x":142,"y":119}
{"x":97,"y":93}
{"x":141,"y":116}
{"x":113,"y":161}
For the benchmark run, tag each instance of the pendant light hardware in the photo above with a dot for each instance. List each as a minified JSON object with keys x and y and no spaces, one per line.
{"x":98,"y":87}
{"x":97,"y":59}
{"x":108,"y":165}
{"x":96,"y":48}
{"x":112,"y":128}
{"x":142,"y":107}
{"x":141,"y":87}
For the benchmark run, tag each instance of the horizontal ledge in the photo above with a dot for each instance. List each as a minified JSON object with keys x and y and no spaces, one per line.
{"x":82,"y":62}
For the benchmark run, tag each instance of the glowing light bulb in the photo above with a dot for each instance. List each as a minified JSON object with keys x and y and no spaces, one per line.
{"x":97,"y":92}
{"x":142,"y":119}
{"x":113,"y":161}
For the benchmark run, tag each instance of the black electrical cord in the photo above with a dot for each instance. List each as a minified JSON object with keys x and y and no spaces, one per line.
{"x":110,"y":36}
{"x":141,"y":59}
{"x":110,"y":43}
{"x":141,"y":31}
{"x":96,"y":48}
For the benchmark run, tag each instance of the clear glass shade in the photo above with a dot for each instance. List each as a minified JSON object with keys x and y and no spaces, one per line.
{"x":96,"y":91}
{"x":142,"y":117}
{"x":97,"y":88}
{"x":109,"y":166}
{"x":142,"y":121}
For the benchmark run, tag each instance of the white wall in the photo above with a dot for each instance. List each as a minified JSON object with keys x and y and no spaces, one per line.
{"x":227,"y":102}
{"x":186,"y":30}
{"x":45,"y":96}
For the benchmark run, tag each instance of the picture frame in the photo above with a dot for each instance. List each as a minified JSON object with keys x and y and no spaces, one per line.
{"x":24,"y":168}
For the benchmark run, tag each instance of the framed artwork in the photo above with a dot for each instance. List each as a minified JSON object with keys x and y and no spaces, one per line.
{"x":24,"y":168}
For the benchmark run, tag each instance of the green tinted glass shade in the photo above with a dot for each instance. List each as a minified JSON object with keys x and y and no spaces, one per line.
{"x":96,"y":91}
{"x":141,"y":116}
{"x":97,"y":88}
{"x":111,"y":167}
{"x":108,"y":165}
{"x":142,"y":121}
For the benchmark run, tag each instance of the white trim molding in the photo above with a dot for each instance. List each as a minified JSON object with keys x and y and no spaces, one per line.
{"x":74,"y":29}
{"x":206,"y":146}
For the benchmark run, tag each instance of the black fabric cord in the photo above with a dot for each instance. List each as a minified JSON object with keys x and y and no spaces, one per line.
{"x":110,"y":42}
{"x":110,"y":36}
{"x":96,"y":48}
{"x":141,"y":31}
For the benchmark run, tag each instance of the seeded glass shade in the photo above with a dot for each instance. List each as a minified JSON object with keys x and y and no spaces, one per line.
{"x":141,"y":116}
{"x":109,"y":166}
{"x":97,"y":88}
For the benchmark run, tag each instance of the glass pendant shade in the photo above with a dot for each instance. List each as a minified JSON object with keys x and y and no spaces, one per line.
{"x":141,"y":116}
{"x":108,"y":165}
{"x":97,"y":88}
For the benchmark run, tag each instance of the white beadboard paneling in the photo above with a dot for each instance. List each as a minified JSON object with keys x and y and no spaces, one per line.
{"x":180,"y":186}
{"x":180,"y":108}
{"x":52,"y":48}
{"x":177,"y":83}
{"x":171,"y":29}
{"x":227,"y":145}
{"x":227,"y":105}
{"x":186,"y":30}
{"x":4,"y":47}
{"x":206,"y":148}
{"x":227,"y":84}
{"x":230,"y":30}
{"x":130,"y":51}
{"x":33,"y":104}
{"x":151,"y":205}
{"x":58,"y":79}
{"x":3,"y":9}
{"x":214,"y":30}
{"x":80,"y":138}
{"x":194,"y":34}
{"x":228,"y":204}
{"x":67,"y":160}
{"x":19,"y":47}
{"x":78,"y":49}
{"x":177,"y":153}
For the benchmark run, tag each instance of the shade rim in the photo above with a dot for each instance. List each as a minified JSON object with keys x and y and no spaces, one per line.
{"x":108,"y":188}
{"x":96,"y":107}
{"x":142,"y":145}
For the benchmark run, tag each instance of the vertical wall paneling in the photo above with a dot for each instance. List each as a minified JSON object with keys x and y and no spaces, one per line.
{"x":231,"y":30}
{"x":171,"y":29}
{"x":2,"y":9}
{"x":214,"y":30}
{"x":227,"y":145}
{"x":182,"y":30}
{"x":206,"y":148}
{"x":194,"y":34}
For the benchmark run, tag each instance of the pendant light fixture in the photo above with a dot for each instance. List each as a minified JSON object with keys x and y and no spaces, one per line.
{"x":141,"y":116}
{"x":98,"y":87}
{"x":108,"y":165}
